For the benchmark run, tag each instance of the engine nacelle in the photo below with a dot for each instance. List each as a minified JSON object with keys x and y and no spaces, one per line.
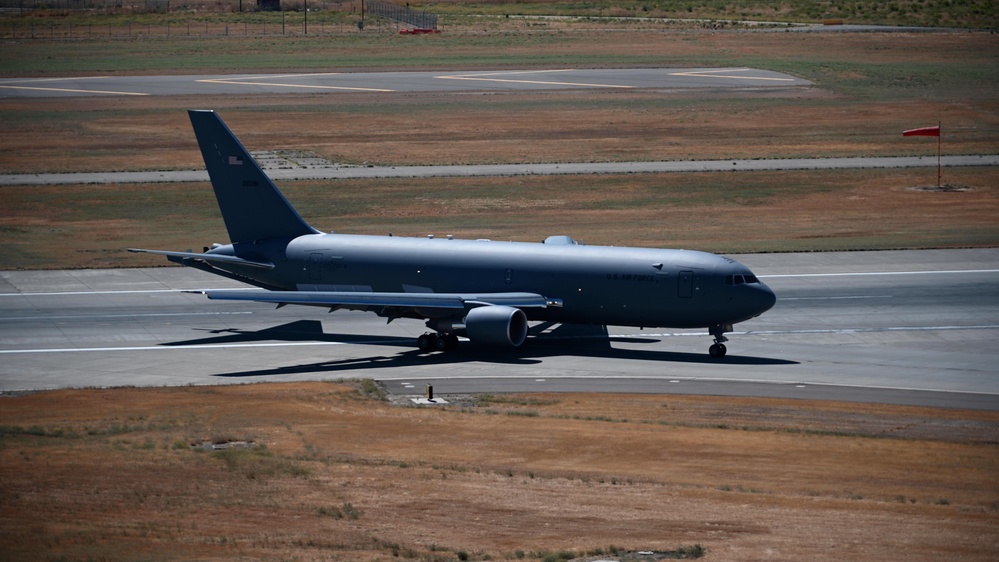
{"x":496,"y":325}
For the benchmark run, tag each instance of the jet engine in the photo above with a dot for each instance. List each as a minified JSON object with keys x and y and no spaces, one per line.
{"x":496,"y":325}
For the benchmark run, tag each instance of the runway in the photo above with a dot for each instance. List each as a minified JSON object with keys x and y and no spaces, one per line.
{"x":903,"y":327}
{"x":382,"y":82}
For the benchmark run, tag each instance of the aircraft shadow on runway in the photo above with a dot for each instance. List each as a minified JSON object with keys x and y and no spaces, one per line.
{"x":547,"y":341}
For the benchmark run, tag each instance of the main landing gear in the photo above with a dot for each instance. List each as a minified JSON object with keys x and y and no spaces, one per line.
{"x":437,"y":342}
{"x":718,"y":349}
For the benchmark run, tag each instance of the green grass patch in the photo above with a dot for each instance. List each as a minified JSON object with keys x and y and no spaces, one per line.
{"x":259,"y":463}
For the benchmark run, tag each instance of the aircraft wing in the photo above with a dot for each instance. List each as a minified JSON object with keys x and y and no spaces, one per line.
{"x":179,"y":257}
{"x":349,"y":299}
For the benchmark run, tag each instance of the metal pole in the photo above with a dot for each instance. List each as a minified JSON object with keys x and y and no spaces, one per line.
{"x":939,"y":137}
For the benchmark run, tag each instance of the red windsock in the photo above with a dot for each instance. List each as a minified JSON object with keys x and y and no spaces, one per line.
{"x":923,"y":132}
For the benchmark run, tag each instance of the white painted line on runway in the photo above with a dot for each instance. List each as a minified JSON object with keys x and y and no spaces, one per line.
{"x":487,"y":77}
{"x":74,"y":91}
{"x":714,"y":74}
{"x":867,"y":330}
{"x":789,"y":332}
{"x":125,"y":292}
{"x":836,"y":298}
{"x":872,"y":273}
{"x":246,"y":82}
{"x":272,"y":76}
{"x":182,"y":347}
{"x":108,"y":316}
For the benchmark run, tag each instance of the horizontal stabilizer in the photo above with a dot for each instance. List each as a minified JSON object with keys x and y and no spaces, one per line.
{"x":397,"y":300}
{"x":216,"y":258}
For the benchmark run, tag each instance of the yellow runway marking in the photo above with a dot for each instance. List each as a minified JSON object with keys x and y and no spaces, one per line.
{"x":485,"y":78}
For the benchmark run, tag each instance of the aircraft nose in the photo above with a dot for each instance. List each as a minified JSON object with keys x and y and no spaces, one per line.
{"x":764,"y":299}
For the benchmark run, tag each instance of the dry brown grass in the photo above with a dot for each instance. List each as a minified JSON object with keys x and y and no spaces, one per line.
{"x":427,"y":129}
{"x":723,"y":212}
{"x":855,"y":110}
{"x":336,"y":475}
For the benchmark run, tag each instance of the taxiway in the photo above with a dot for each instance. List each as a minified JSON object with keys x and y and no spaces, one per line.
{"x":381,"y":82}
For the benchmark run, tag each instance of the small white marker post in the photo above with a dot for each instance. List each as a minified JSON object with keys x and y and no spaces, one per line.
{"x":428,"y":398}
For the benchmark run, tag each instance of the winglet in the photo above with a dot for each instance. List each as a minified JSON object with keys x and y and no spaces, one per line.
{"x":252,"y":206}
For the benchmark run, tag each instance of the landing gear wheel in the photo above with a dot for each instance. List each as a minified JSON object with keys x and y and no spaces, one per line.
{"x":426,"y":342}
{"x":717,"y":350}
{"x":437,"y":342}
{"x":440,"y":342}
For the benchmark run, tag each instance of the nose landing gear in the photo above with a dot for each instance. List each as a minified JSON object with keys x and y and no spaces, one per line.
{"x":718,"y":349}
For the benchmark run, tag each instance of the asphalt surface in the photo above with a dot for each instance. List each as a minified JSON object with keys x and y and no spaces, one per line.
{"x":382,"y":82}
{"x":905,"y":327}
{"x":333,"y":172}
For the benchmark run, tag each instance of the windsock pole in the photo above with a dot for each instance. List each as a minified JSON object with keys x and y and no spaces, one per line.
{"x":929,"y":132}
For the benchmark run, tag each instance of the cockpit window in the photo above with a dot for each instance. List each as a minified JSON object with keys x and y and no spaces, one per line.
{"x":740,"y":279}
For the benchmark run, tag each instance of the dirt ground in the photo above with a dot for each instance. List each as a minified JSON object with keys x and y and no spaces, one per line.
{"x":323,"y":471}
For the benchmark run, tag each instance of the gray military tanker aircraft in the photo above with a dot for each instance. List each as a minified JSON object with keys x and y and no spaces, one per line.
{"x":484,"y":290}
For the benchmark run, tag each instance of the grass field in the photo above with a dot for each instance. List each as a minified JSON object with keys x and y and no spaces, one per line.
{"x":336,"y":473}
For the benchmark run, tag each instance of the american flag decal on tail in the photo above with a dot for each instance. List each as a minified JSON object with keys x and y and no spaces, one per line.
{"x":235,"y":161}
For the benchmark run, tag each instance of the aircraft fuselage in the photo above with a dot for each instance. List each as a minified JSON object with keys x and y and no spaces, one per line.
{"x":596,"y":284}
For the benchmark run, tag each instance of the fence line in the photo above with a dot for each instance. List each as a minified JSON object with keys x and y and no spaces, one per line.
{"x":420,"y":19}
{"x":160,"y":6}
{"x":191,"y":28}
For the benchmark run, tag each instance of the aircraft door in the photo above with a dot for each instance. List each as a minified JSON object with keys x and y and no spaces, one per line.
{"x":316,"y":266}
{"x":685,"y":284}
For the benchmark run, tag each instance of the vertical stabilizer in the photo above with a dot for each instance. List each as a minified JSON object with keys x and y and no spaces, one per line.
{"x":251,"y":205}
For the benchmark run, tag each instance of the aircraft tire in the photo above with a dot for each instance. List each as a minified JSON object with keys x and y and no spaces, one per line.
{"x":717,"y":350}
{"x":440,"y":342}
{"x":426,"y":342}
